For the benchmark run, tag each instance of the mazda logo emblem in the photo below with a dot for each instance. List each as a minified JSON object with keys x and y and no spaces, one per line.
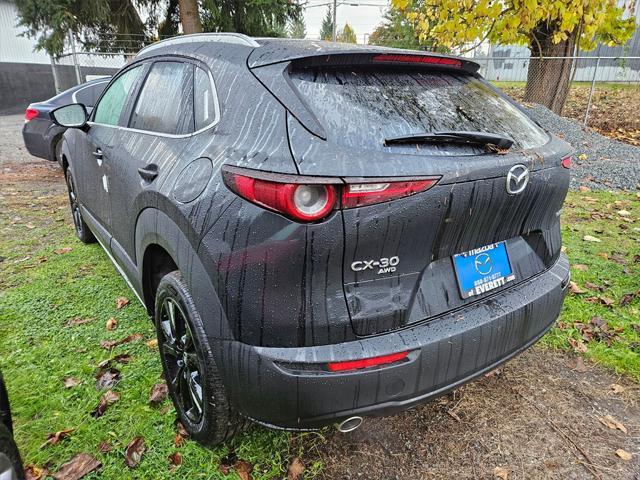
{"x":483,"y":264}
{"x":517,"y":179}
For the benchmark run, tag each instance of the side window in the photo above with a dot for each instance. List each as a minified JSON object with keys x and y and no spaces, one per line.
{"x":204,"y":109}
{"x":109,"y":110}
{"x":90,"y":94}
{"x":165,"y":104}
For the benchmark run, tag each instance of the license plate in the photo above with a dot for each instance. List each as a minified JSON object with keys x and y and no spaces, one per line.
{"x":483,"y":269}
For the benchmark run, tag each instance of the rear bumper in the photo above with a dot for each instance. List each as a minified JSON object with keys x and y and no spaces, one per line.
{"x":281,"y":386}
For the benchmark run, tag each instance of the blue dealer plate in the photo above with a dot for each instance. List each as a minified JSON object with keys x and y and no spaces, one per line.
{"x":483,"y":269}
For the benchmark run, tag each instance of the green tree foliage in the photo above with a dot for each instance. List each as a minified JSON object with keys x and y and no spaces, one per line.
{"x":267,"y":18}
{"x":297,"y":28}
{"x":326,"y":28}
{"x":395,"y":31}
{"x":347,"y":34}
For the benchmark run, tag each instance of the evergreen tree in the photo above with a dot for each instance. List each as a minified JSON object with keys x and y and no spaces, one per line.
{"x":326,"y":29}
{"x":297,"y":28}
{"x":347,"y":35}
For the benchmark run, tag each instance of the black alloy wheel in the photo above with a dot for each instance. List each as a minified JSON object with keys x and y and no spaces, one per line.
{"x":82,"y":230}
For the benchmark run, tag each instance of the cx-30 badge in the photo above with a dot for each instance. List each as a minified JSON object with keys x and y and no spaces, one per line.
{"x":517,"y":179}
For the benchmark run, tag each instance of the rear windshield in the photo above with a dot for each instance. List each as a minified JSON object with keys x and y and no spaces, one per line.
{"x":363,"y":107}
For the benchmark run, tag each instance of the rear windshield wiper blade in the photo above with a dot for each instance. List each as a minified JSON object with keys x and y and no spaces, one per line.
{"x":477,"y":138}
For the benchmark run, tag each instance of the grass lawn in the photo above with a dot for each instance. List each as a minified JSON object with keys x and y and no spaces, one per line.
{"x":48,"y":278}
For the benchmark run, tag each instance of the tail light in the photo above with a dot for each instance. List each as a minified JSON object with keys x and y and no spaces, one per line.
{"x":367,"y":362}
{"x":30,"y":114}
{"x":404,"y":58}
{"x":566,"y":162}
{"x":309,"y":199}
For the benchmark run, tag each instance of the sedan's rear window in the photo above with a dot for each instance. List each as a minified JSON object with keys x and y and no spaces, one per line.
{"x":363,"y":107}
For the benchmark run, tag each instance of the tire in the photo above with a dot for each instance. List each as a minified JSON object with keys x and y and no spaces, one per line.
{"x":9,"y":455}
{"x":57,"y":151}
{"x":192,"y":375}
{"x":82,"y":230}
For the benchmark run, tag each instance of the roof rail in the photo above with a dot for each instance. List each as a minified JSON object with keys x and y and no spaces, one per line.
{"x":237,"y":38}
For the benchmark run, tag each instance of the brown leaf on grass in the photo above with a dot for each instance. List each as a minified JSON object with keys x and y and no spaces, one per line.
{"x":591,"y":238}
{"x":612,"y":423}
{"x":617,"y":388}
{"x":112,"y":324}
{"x":636,"y":259}
{"x":626,"y":299}
{"x":33,"y":472}
{"x":107,"y":378}
{"x":79,"y":466}
{"x":77,"y":321}
{"x":55,"y":438}
{"x":109,"y":344}
{"x":593,"y":286}
{"x":501,"y":473}
{"x":133,"y":453}
{"x":575,"y":289}
{"x":578,"y":365}
{"x":623,"y":454}
{"x":243,"y":469}
{"x":104,"y":447}
{"x":109,"y":398}
{"x":581,"y":267}
{"x":153,"y":343}
{"x":604,"y":255}
{"x":181,"y":430}
{"x":295,"y":470}
{"x":158,"y":394}
{"x":121,"y":302}
{"x":175,"y":459}
{"x":577,"y":345}
{"x":70,"y":382}
{"x":231,"y":461}
{"x":62,"y":251}
{"x":123,"y":358}
{"x":607,"y":302}
{"x":178,"y":440}
{"x":597,"y":322}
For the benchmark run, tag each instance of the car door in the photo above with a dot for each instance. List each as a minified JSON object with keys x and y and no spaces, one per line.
{"x":93,"y":169}
{"x":161,"y":125}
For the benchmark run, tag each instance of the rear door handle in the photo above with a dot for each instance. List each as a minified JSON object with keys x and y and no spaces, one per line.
{"x":148,"y":173}
{"x":98,"y":153}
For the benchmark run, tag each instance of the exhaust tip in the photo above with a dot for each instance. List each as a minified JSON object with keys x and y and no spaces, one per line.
{"x":350,"y":424}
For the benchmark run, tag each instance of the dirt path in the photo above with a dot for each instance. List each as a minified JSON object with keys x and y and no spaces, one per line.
{"x":535,"y":418}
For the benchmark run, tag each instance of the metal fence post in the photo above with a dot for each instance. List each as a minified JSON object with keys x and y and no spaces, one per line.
{"x":593,"y":86}
{"x":54,"y":70}
{"x":76,"y":65}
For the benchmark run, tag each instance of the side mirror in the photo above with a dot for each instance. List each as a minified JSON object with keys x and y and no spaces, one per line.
{"x":70,"y":116}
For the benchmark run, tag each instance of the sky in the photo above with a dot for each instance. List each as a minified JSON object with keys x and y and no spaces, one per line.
{"x":363,"y":19}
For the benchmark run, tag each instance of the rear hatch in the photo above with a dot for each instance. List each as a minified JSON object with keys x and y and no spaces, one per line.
{"x":399,"y":265}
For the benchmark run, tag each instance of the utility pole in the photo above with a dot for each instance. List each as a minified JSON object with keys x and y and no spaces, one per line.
{"x":335,"y":31}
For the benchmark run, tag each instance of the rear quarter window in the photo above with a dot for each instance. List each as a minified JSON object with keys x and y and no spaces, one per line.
{"x":362,"y":107}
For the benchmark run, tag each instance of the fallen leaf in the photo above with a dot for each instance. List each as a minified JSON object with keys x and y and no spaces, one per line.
{"x":243,"y":469}
{"x":79,"y":466}
{"x":62,"y":251}
{"x":296,"y":468}
{"x":133,"y":453}
{"x":582,"y":157}
{"x":575,"y":289}
{"x":583,"y":188}
{"x":501,"y":472}
{"x":593,"y":286}
{"x":181,"y":430}
{"x":617,"y":388}
{"x":578,"y":365}
{"x":493,"y":373}
{"x":626,"y":299}
{"x":30,"y":225}
{"x":32,"y":472}
{"x":109,"y":398}
{"x":70,"y":382}
{"x":112,"y":324}
{"x":591,"y":238}
{"x":623,"y":454}
{"x":109,"y":344}
{"x":604,"y":255}
{"x":158,"y":394}
{"x":121,"y":302}
{"x":581,"y":267}
{"x":175,"y":459}
{"x":107,"y":378}
{"x":612,"y":423}
{"x":77,"y":321}
{"x":55,"y":438}
{"x":624,"y":213}
{"x":123,"y":358}
{"x":578,"y":345}
{"x":153,"y":343}
{"x":178,"y":440}
{"x":104,"y":447}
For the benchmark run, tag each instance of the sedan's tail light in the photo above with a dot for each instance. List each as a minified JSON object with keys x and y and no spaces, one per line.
{"x":309,"y":199}
{"x":30,"y":114}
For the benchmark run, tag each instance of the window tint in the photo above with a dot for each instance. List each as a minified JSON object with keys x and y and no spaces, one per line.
{"x":89,"y":95}
{"x":203,"y":103}
{"x":109,"y":110}
{"x":165,"y":104}
{"x":362,"y":107}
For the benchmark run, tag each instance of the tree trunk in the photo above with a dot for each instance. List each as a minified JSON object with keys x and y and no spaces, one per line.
{"x":190,"y":16}
{"x":548,"y":80}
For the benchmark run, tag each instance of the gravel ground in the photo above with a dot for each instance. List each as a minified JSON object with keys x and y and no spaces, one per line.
{"x":609,"y":164}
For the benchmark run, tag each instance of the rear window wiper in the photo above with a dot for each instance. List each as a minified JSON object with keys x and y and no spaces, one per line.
{"x":476,"y":138}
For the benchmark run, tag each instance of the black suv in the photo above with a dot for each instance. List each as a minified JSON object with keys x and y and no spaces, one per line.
{"x":320,"y":231}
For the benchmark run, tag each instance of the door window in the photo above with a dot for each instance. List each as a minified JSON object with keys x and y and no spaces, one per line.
{"x":165,"y":104}
{"x":204,"y":106}
{"x":89,"y":95}
{"x":109,"y":110}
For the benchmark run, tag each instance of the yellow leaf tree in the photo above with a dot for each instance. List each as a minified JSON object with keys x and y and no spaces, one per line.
{"x":550,"y":28}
